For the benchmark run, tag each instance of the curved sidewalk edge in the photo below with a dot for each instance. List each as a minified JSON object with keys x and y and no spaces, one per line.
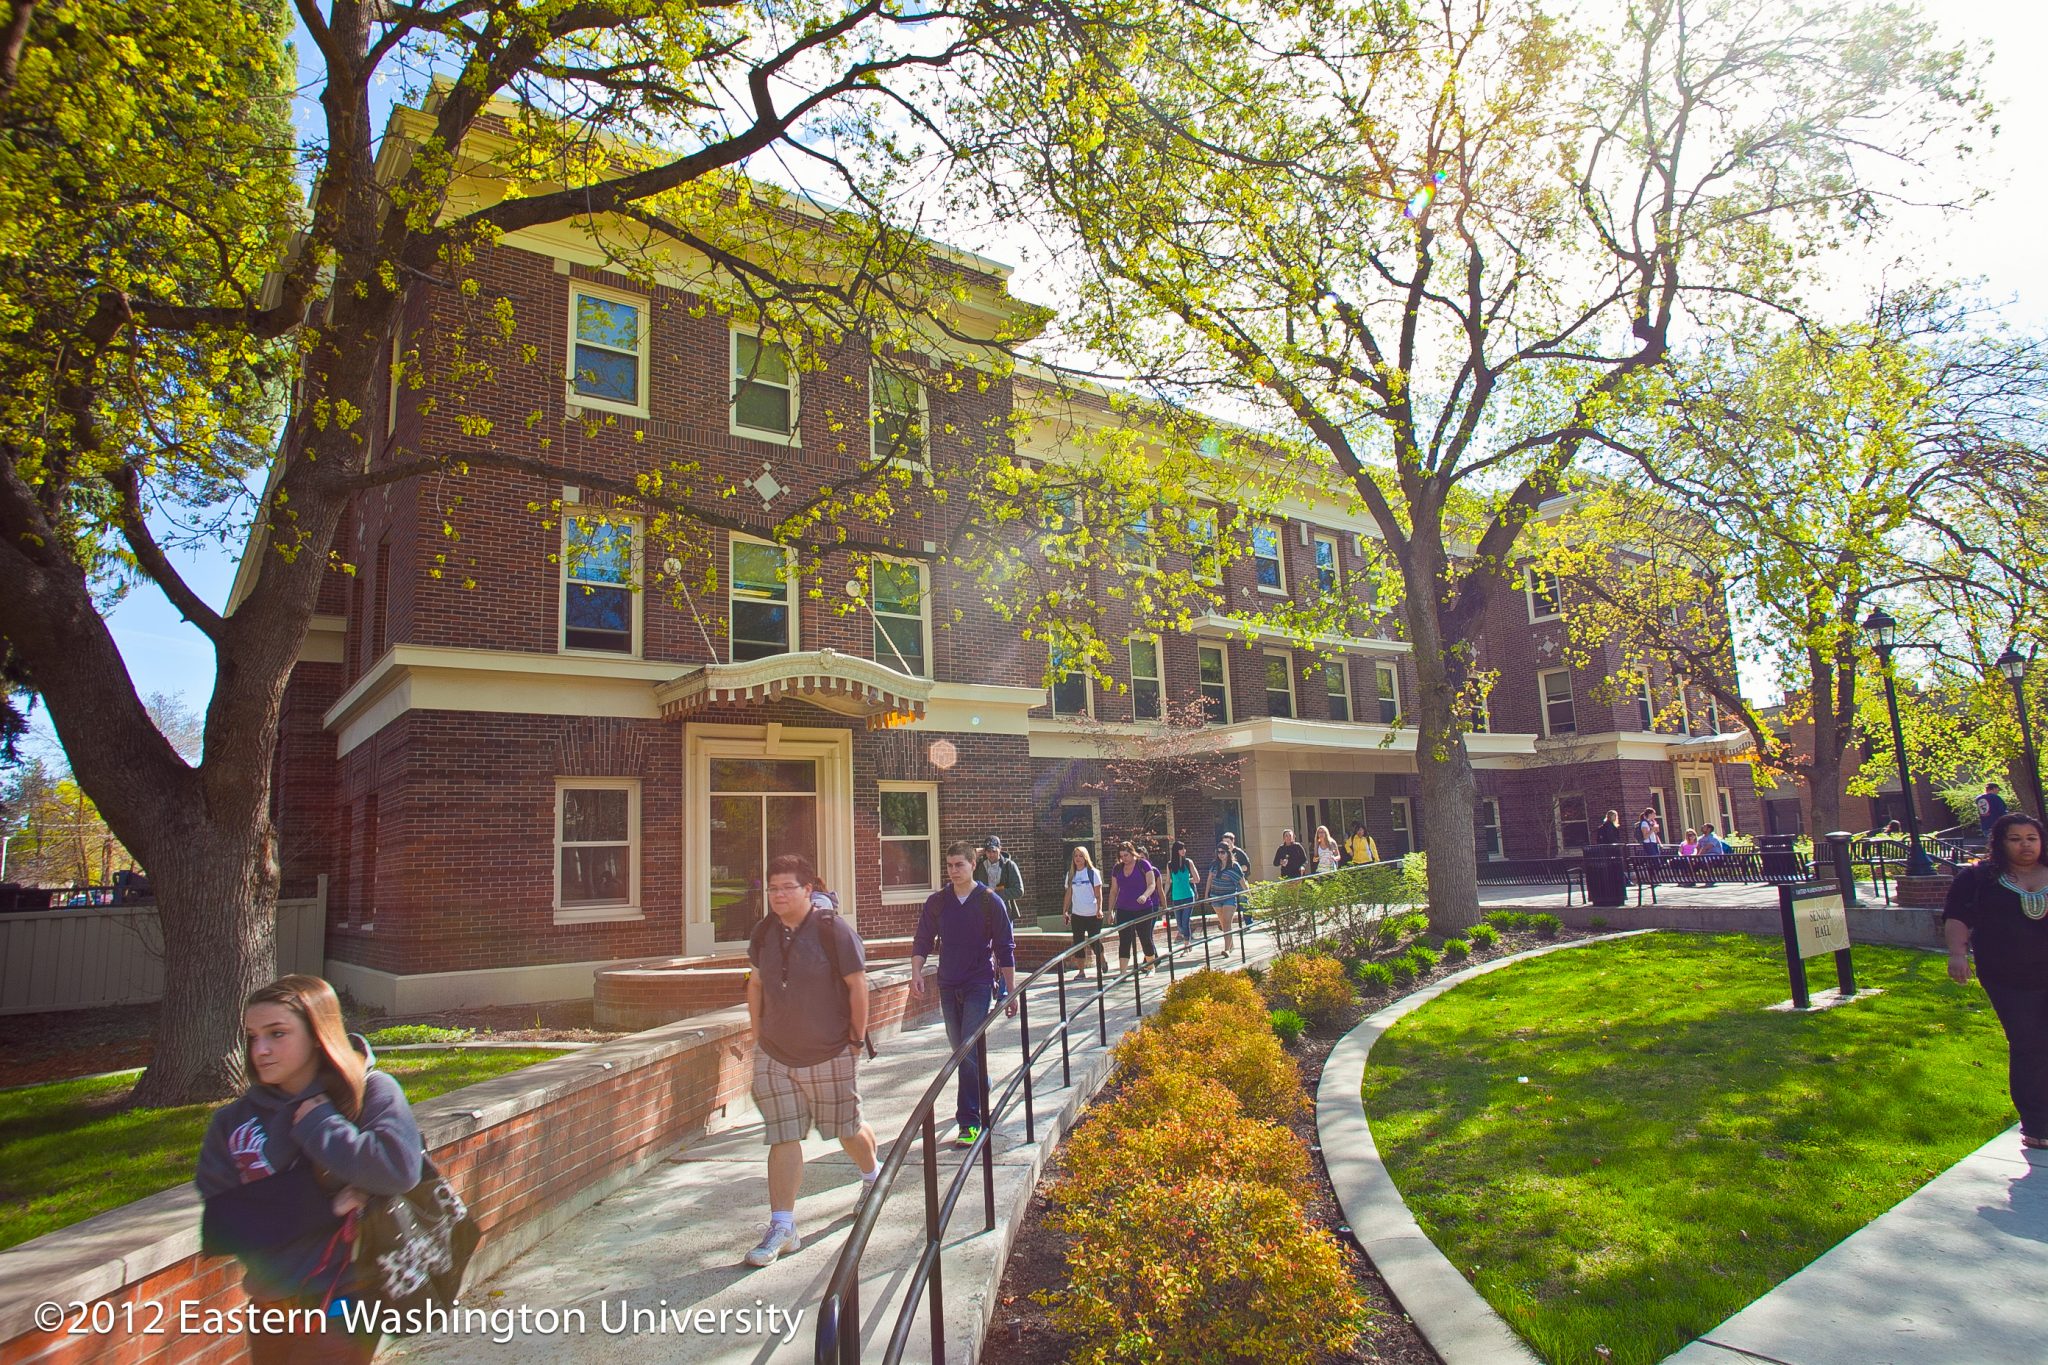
{"x":1460,"y":1326}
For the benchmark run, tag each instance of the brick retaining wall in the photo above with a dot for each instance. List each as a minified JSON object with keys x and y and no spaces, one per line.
{"x":528,"y":1151}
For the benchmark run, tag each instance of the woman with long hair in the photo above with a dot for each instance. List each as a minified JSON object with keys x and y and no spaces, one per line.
{"x":1327,"y":854}
{"x":1997,"y":912}
{"x":1137,"y":905}
{"x":1181,"y":878}
{"x":285,"y":1168}
{"x":1081,"y":903}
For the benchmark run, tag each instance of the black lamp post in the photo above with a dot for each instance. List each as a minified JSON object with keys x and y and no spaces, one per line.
{"x":2015,"y":669}
{"x":1884,"y":634}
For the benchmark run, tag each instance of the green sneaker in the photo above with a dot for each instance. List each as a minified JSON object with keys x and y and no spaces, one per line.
{"x":969,"y":1134}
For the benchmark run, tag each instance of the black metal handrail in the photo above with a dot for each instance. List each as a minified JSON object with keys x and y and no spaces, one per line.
{"x":837,"y":1340}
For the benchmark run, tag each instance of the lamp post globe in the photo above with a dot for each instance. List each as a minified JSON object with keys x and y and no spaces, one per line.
{"x":1884,"y":634}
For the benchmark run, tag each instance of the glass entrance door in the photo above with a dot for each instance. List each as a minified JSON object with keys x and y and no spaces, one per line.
{"x":760,"y":808}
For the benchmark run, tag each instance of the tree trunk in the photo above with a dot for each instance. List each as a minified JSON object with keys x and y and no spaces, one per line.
{"x":1443,"y":768}
{"x":217,"y":904}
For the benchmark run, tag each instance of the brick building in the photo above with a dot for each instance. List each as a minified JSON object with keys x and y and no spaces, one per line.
{"x":512,"y":783}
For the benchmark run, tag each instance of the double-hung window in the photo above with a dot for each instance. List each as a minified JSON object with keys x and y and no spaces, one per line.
{"x":1279,"y":683}
{"x":1541,"y":590}
{"x":597,"y":838}
{"x":1327,"y":578}
{"x":1145,"y":682}
{"x":1574,"y":830}
{"x":902,"y":621}
{"x":1337,"y":682}
{"x":898,"y":426}
{"x":1069,"y":686}
{"x":1488,"y":841}
{"x":1559,"y":717}
{"x":1387,"y":689}
{"x":1212,"y":670}
{"x":600,"y":607}
{"x":607,"y":350}
{"x":1267,"y":566}
{"x":762,"y":600}
{"x":763,"y":389}
{"x":1202,"y":541}
{"x":910,"y":839}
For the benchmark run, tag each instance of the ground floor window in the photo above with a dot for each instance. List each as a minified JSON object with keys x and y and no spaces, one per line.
{"x":1403,"y":841}
{"x":910,"y":839}
{"x":760,"y":808}
{"x":597,"y":855}
{"x":1574,"y":831}
{"x":1488,"y":841}
{"x":1229,"y":818}
{"x":1155,"y":826}
{"x":1080,"y":825}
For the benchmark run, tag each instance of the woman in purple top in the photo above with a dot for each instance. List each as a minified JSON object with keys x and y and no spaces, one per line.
{"x":1137,"y":905}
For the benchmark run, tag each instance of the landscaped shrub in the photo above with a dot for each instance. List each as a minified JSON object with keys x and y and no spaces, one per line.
{"x":1208,"y":1270}
{"x":1255,"y":975}
{"x":1312,"y":985}
{"x":1374,"y":978}
{"x":1402,"y":968}
{"x":1508,"y":919}
{"x":401,"y":1035}
{"x":1423,"y":956}
{"x":1174,"y":1127}
{"x":1597,"y":922}
{"x":1546,"y":925}
{"x":1213,"y":1041}
{"x":1415,"y":924}
{"x":1457,"y":949}
{"x":1483,"y":935}
{"x":1232,"y":988}
{"x":1288,"y":1027}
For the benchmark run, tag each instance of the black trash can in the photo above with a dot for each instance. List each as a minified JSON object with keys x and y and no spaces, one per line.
{"x":1606,"y":874}
{"x":1781,"y":861}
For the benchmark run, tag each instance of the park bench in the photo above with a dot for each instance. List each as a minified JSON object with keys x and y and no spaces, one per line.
{"x":1775,"y":868}
{"x":1535,"y":872}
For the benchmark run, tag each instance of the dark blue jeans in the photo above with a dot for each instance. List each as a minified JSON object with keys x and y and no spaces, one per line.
{"x":964,"y":1007}
{"x":2024,"y":1013}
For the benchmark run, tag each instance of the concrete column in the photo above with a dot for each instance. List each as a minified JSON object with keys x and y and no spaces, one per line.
{"x":1267,"y":791}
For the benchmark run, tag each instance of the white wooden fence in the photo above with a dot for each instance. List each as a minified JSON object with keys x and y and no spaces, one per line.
{"x":76,"y":959}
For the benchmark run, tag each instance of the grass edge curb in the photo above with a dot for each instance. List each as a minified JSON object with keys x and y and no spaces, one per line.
{"x":1459,"y":1325}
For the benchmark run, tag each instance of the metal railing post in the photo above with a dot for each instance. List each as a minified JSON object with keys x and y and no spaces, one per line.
{"x":1024,"y":1033}
{"x":1066,"y":1061}
{"x":988,"y":1138}
{"x":1169,"y":952}
{"x":1101,"y":994}
{"x":935,"y":1286}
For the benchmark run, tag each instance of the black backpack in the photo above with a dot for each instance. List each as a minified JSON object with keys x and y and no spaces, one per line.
{"x":829,"y":941}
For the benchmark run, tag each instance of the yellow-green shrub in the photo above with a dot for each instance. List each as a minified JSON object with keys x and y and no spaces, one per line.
{"x":1214,"y":1040}
{"x":1228,"y":987}
{"x":1314,"y":986}
{"x":1173,"y":1127}
{"x":1208,"y":1270}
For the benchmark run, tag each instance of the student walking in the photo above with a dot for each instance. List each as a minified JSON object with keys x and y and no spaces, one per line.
{"x":976,"y":946}
{"x":1360,"y":848}
{"x":1137,"y":898}
{"x":999,"y":872}
{"x":1290,"y":859}
{"x":1181,"y":877}
{"x":1990,"y":806}
{"x":807,"y":999}
{"x":285,"y":1169}
{"x":1328,"y":855}
{"x":1649,"y":831}
{"x":1224,"y":885}
{"x":1610,"y":829}
{"x":1081,"y":903}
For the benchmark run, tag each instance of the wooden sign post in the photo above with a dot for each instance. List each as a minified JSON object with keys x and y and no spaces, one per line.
{"x":1815,"y":922}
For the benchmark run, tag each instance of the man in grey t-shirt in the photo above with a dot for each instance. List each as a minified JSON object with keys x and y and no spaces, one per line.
{"x":807,"y":999}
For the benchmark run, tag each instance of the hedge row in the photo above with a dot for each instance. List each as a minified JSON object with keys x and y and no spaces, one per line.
{"x":1188,"y":1239}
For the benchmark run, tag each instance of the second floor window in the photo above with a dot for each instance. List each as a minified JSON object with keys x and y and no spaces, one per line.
{"x":1145,"y":694}
{"x":1541,"y":588}
{"x":763,"y":388}
{"x":900,"y":616}
{"x":1213,"y":675}
{"x":1266,"y":565}
{"x":1069,"y":687}
{"x":899,"y":420}
{"x":1387,"y":683}
{"x":598,"y":601}
{"x":608,"y":360}
{"x":1646,"y":709}
{"x":1337,"y":682}
{"x":763,"y":608}
{"x":1559,"y":718}
{"x":1326,"y":565}
{"x":1202,"y":544}
{"x":1279,"y":683}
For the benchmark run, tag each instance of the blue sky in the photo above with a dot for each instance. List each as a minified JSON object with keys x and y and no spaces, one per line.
{"x":1999,"y":245}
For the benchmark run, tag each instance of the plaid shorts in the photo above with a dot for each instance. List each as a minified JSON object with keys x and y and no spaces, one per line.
{"x":795,"y":1099}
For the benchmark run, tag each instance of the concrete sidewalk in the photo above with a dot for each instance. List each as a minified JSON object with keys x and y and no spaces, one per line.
{"x":1957,"y":1272}
{"x":670,"y":1244}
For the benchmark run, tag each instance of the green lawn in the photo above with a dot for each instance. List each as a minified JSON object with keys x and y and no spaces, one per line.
{"x":68,"y":1152}
{"x":1675,"y":1150}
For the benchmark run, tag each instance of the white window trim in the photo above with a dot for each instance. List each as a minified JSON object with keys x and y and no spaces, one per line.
{"x":1492,"y":804}
{"x":1662,"y":803}
{"x":1166,"y":801}
{"x":1404,"y":807}
{"x":1212,"y":546}
{"x":1223,"y":653}
{"x":1087,"y":692}
{"x":923,"y":462}
{"x":601,"y":914}
{"x":902,"y":895}
{"x":1279,"y":530}
{"x":1543,"y":701}
{"x":789,"y":592}
{"x":392,"y":376}
{"x":1724,"y":807}
{"x":1529,"y":594}
{"x":1646,"y":707}
{"x":924,"y":607}
{"x":1286,"y":656}
{"x":1342,"y":664}
{"x":794,"y":437}
{"x":1158,"y":678}
{"x":1557,"y":819}
{"x":1379,"y":671}
{"x":1094,"y":805}
{"x":1336,"y":562}
{"x":639,"y":566}
{"x":583,"y":400}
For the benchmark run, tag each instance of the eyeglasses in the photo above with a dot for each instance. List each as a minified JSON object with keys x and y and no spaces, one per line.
{"x":785,"y":890}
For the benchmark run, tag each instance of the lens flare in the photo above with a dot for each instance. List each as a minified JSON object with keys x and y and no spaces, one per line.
{"x":1420,"y":201}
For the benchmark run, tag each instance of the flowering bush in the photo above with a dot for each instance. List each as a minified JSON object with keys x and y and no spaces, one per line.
{"x":1211,"y":1270}
{"x":1230,"y":988}
{"x":1312,"y":985}
{"x":1174,"y":1127}
{"x":1212,"y":1041}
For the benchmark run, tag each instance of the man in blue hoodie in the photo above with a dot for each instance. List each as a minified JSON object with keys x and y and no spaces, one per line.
{"x":972,"y":927}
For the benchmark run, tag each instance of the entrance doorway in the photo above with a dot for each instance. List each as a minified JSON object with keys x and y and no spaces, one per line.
{"x":760,"y":808}
{"x":751,"y":794}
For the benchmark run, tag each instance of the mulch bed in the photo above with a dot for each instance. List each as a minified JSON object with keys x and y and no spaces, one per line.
{"x":1021,"y":1331}
{"x":62,"y":1044}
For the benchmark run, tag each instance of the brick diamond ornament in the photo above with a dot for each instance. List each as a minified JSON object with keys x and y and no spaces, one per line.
{"x":764,"y":483}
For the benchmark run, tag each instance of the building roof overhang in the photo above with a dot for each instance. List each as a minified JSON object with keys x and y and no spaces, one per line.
{"x":843,"y":684}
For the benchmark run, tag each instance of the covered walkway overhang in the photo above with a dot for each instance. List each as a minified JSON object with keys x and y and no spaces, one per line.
{"x":1389,"y":748}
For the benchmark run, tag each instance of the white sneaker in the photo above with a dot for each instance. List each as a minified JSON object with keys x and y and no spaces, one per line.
{"x":777,"y":1241}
